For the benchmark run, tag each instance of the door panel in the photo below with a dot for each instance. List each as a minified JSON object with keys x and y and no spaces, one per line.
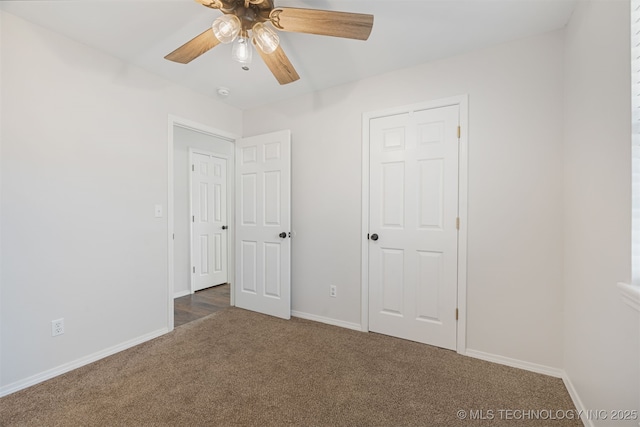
{"x":248,"y":199}
{"x":413,"y":210}
{"x":249,"y":266}
{"x":272,"y":273}
{"x":430,"y":194}
{"x":209,"y":214}
{"x":272,"y":198}
{"x":393,"y":195}
{"x":428,"y":283}
{"x":392,"y":281}
{"x":263,"y":270}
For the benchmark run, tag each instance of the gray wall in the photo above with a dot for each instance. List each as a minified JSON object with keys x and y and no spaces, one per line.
{"x":84,"y":161}
{"x":601,"y":346}
{"x":515,"y":200}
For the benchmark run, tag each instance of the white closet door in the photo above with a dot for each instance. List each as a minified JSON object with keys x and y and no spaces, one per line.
{"x":413,"y":212}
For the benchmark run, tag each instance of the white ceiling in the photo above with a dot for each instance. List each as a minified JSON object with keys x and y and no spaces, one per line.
{"x":405,"y":33}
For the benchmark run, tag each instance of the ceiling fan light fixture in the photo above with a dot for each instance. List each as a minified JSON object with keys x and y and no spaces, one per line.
{"x":265,"y":38}
{"x":241,"y":50}
{"x":254,"y":22}
{"x":226,"y":28}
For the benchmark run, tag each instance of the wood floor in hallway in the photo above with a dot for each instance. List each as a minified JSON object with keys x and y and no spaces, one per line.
{"x":200,"y":304}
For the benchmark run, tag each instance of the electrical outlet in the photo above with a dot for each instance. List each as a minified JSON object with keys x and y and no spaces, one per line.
{"x":333,"y":291}
{"x":57,"y":327}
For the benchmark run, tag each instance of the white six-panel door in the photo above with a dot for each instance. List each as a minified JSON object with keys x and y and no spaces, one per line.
{"x":263,"y":224}
{"x":413,"y":209}
{"x":209,"y":219}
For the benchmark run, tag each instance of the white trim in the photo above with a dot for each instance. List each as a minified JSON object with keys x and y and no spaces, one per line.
{"x":577,"y":402}
{"x":198,"y":127}
{"x":630,"y":295}
{"x":181,"y":294}
{"x":364,"y":249}
{"x":174,"y":121}
{"x":191,"y":263}
{"x":426,"y":105}
{"x":462,"y":101}
{"x":59,"y":370}
{"x":170,"y":230}
{"x":515,"y":363}
{"x":538,"y":369}
{"x":463,"y":195}
{"x":327,"y":320}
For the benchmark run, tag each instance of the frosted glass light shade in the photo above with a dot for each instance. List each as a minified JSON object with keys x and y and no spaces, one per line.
{"x":241,"y":50}
{"x":265,"y":38}
{"x":226,"y":28}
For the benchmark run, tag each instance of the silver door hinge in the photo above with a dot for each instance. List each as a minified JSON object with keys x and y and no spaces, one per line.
{"x":458,"y":223}
{"x":174,"y":236}
{"x":194,"y":269}
{"x":458,"y":132}
{"x":193,"y":218}
{"x":456,"y":314}
{"x":193,"y":167}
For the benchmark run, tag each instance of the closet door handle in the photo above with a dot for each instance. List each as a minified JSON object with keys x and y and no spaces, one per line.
{"x":374,"y":237}
{"x":282,"y":235}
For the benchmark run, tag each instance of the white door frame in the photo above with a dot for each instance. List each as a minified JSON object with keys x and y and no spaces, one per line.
{"x":463,"y":102}
{"x":175,"y":121}
{"x":225,"y":157}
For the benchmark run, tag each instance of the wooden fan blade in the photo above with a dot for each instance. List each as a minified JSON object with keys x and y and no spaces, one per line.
{"x":194,"y":47}
{"x":280,"y":66}
{"x":322,"y":22}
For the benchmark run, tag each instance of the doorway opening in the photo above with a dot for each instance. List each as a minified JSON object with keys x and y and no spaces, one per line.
{"x":185,"y":138}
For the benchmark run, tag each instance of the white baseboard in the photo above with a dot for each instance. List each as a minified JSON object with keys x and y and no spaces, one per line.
{"x":327,"y":320}
{"x":576,"y":400}
{"x":181,"y":294}
{"x":59,"y":370}
{"x":539,"y":369}
{"x":515,"y":363}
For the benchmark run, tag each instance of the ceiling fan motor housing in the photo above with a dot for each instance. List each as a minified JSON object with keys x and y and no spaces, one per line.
{"x":249,"y":11}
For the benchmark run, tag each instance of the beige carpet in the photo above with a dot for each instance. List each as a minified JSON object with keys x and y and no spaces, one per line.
{"x":241,"y":368}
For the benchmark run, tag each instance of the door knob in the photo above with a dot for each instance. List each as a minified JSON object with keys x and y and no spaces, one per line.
{"x":282,"y":235}
{"x":224,"y":227}
{"x":374,"y":237}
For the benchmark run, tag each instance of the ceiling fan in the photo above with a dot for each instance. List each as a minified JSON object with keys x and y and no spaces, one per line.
{"x":245,"y":22}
